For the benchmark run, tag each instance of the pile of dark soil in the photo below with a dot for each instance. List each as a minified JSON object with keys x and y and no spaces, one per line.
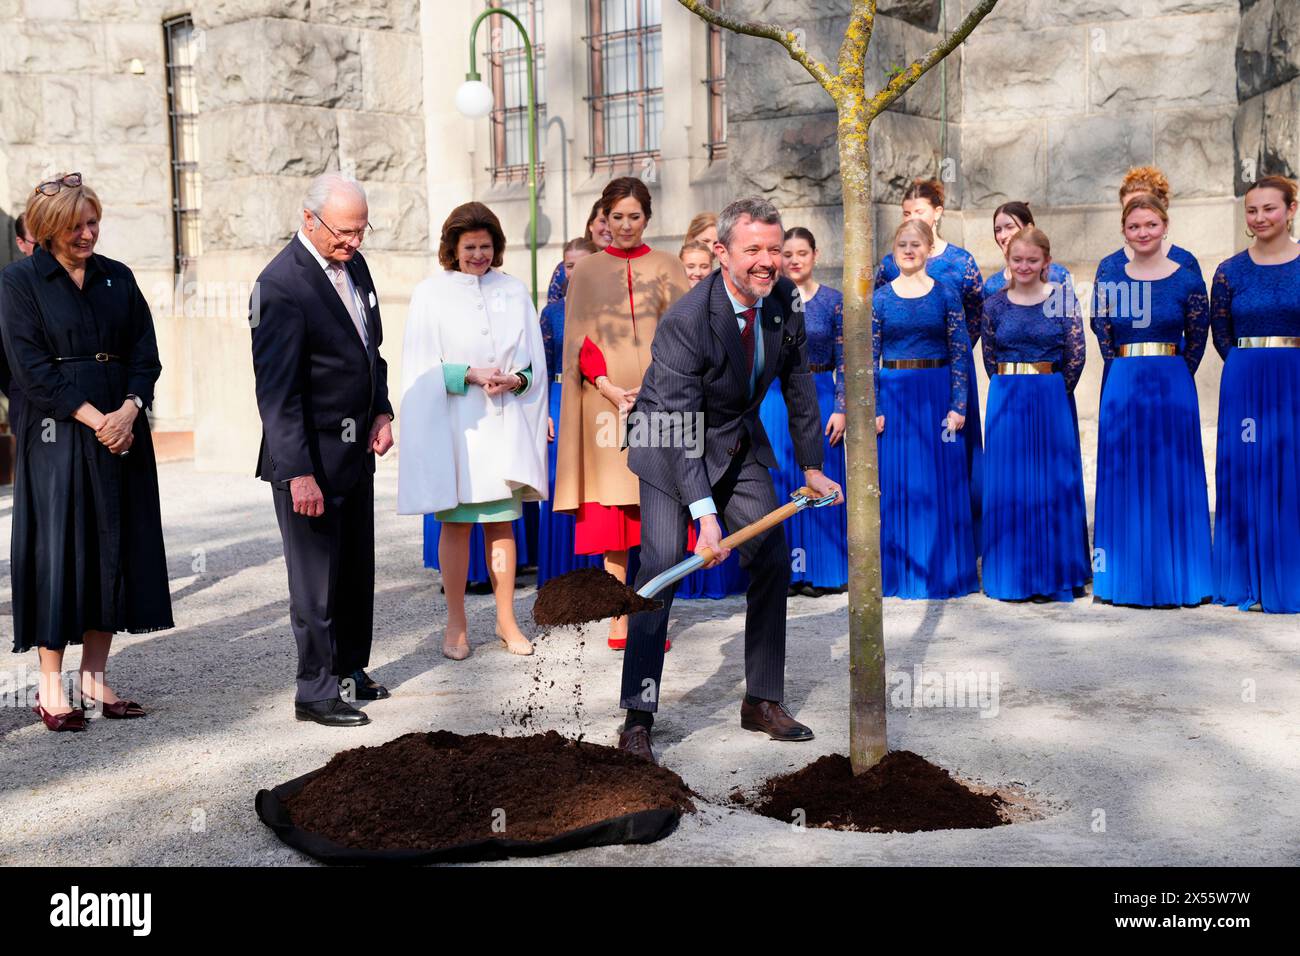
{"x":437,"y":790}
{"x":586,"y":595}
{"x":903,"y":793}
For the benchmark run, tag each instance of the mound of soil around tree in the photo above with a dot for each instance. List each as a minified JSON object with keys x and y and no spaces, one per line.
{"x":586,"y":595}
{"x":439,"y":789}
{"x":903,"y":793}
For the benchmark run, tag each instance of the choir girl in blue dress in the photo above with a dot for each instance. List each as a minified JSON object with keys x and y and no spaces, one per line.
{"x":1255,"y":320}
{"x":555,"y":531}
{"x":1008,"y":219}
{"x":1151,"y":533}
{"x":728,"y":577}
{"x":597,"y":233}
{"x":920,"y":343}
{"x":1035,"y":528}
{"x":818,"y":537}
{"x":954,"y":266}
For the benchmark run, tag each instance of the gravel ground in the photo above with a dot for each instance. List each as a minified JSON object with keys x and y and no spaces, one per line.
{"x":1156,"y":737}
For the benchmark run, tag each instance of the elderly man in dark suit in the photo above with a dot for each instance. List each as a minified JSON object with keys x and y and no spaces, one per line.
{"x":322,"y":391}
{"x":715,"y":353}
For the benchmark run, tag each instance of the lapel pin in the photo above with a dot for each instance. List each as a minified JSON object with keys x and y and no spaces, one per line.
{"x":109,"y":282}
{"x":373,"y":303}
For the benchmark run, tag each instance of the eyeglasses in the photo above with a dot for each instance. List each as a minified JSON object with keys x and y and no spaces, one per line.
{"x":346,"y":235}
{"x":51,"y":187}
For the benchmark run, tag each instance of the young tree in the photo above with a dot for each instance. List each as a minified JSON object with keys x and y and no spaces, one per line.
{"x":857,"y":109}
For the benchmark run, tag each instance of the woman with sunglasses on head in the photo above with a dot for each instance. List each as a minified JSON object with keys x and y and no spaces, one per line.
{"x":1151,"y":532}
{"x":87,"y":556}
{"x":1255,"y":321}
{"x":956,"y":268}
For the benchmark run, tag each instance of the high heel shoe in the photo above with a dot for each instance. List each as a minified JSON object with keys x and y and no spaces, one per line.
{"x":74,"y":719}
{"x":506,"y":645}
{"x":122,"y":710}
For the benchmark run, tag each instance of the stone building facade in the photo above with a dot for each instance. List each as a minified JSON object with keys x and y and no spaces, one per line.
{"x":1047,"y":102}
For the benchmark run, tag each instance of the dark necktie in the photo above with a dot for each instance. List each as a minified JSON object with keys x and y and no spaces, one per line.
{"x":747,"y":340}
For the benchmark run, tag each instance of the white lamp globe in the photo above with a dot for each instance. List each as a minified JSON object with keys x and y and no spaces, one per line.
{"x":474,"y":99}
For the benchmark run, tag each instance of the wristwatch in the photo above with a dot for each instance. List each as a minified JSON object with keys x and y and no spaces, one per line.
{"x":139,"y":402}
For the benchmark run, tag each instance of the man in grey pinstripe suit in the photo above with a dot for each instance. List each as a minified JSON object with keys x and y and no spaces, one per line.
{"x":715,"y":353}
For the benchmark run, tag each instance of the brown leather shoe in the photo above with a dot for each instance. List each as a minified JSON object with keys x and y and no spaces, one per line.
{"x":636,"y":740}
{"x":771,"y":718}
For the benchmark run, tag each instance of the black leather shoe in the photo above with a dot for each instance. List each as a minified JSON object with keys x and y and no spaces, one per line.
{"x":636,"y":740}
{"x":331,"y":713}
{"x":769,"y":717}
{"x":363,"y":688}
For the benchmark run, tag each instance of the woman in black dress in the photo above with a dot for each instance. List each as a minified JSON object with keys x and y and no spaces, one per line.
{"x":87,"y":545}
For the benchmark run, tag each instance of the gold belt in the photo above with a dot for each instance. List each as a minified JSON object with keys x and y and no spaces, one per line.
{"x":821,"y":368}
{"x":1025,"y":368}
{"x":914,"y":363}
{"x":1142,"y":349}
{"x":559,"y":377}
{"x":1269,"y":342}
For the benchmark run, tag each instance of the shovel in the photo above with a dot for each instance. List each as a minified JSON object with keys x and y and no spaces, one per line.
{"x":803,"y":498}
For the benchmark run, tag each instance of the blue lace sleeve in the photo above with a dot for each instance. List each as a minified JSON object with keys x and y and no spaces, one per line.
{"x":1196,"y":325}
{"x":1101,"y":319}
{"x":837,"y":354}
{"x":989,"y":337}
{"x":548,"y":339}
{"x":1075,"y":350}
{"x":1221,"y":313}
{"x":876,"y":346}
{"x":972,"y":297}
{"x":559,"y":281}
{"x":958,"y":346}
{"x":880,"y":277}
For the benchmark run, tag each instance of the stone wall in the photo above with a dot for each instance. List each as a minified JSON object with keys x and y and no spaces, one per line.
{"x":1267,"y":127}
{"x":290,"y":89}
{"x":70,"y":101}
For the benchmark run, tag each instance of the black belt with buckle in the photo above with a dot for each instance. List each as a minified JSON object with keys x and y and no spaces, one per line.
{"x":97,"y":357}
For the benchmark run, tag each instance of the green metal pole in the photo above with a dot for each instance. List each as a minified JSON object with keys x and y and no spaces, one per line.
{"x":473,"y":74}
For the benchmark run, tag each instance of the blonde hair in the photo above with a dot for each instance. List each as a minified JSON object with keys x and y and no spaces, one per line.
{"x":1145,"y":179}
{"x":701,"y":222}
{"x":47,"y":216}
{"x":1035,"y":237}
{"x":921,"y":228}
{"x":1144,"y":201}
{"x":694,"y":245}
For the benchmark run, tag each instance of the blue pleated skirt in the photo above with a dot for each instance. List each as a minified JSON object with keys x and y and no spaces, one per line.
{"x":818,"y":537}
{"x":973,"y":436}
{"x":1151,"y":532}
{"x":927,"y":543}
{"x":1257,"y":475}
{"x":555,"y":531}
{"x":1034,"y":521}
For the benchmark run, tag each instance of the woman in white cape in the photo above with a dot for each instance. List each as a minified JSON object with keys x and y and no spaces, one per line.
{"x":474,"y":414}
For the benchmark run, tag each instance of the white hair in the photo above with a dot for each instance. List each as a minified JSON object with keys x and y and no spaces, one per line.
{"x":326,"y":185}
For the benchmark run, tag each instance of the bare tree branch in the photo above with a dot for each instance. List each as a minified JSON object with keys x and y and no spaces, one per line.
{"x":857,"y":40}
{"x":770,"y":31}
{"x":904,"y":81}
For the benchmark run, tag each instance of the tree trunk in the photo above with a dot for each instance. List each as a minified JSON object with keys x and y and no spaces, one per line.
{"x":867,"y":692}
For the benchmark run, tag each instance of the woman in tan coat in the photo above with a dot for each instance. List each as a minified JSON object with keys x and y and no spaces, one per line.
{"x":615,"y":299}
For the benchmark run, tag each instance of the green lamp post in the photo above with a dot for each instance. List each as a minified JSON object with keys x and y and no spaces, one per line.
{"x":474,"y":99}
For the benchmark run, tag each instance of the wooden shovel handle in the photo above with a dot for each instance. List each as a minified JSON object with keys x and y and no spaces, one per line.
{"x":769,"y":520}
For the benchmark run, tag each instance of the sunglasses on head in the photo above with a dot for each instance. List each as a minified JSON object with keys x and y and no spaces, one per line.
{"x":51,"y":187}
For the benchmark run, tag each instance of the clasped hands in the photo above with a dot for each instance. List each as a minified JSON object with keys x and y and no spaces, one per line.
{"x":621,"y":398}
{"x":114,"y":430}
{"x":493,"y":381}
